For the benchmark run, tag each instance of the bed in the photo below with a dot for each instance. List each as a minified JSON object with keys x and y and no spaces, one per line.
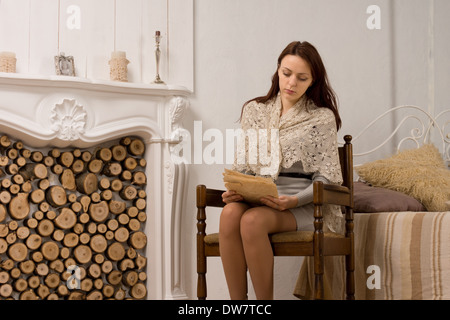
{"x":402,"y":212}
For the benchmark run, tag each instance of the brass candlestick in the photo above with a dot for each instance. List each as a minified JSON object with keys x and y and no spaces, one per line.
{"x":158,"y":56}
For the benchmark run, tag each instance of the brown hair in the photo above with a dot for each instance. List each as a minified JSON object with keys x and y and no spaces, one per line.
{"x":320,"y":91}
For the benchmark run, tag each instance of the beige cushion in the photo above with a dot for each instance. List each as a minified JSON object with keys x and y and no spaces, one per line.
{"x":419,"y":173}
{"x":293,"y":236}
{"x":212,"y":239}
{"x":282,"y":237}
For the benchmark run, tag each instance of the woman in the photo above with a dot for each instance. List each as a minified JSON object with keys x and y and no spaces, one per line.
{"x":302,"y":109}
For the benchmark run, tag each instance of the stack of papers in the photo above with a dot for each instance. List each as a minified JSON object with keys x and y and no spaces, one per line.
{"x":250,"y":187}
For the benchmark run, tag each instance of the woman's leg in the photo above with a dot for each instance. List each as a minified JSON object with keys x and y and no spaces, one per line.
{"x":231,"y":250}
{"x":256,"y":225}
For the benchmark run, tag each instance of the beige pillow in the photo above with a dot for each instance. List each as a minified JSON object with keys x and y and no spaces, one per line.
{"x":373,"y":199}
{"x":419,"y":173}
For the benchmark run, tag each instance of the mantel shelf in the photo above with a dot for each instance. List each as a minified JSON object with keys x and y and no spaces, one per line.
{"x":67,"y":82}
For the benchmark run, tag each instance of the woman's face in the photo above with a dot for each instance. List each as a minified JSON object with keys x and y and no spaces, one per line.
{"x":295,"y":78}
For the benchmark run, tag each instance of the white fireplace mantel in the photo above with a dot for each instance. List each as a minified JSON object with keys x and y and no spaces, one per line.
{"x":77,"y":112}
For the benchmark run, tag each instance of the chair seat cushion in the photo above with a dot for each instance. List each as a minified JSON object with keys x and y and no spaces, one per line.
{"x":282,"y":237}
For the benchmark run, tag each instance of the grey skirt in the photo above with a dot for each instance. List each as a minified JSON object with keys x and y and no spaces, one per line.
{"x":304,"y":215}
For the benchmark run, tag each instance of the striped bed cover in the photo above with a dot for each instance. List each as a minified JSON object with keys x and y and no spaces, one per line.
{"x":398,"y":256}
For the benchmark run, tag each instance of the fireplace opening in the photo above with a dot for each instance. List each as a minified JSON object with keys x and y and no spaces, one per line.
{"x":72,"y":221}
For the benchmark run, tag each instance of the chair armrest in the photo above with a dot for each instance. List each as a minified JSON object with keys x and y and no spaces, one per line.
{"x":325,"y":193}
{"x":209,"y":197}
{"x":214,"y":198}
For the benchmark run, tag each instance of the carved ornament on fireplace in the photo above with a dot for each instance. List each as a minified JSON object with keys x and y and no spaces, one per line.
{"x":68,"y":120}
{"x":178,"y":105}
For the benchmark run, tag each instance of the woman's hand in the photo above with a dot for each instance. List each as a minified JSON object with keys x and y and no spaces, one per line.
{"x":231,"y":196}
{"x":281,"y":203}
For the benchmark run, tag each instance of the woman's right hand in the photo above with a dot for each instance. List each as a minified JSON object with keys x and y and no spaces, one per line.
{"x":231,"y":196}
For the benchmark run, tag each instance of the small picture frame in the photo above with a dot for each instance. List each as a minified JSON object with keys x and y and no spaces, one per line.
{"x":64,"y":66}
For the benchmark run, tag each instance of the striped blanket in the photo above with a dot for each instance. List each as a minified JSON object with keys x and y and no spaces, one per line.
{"x":398,"y":256}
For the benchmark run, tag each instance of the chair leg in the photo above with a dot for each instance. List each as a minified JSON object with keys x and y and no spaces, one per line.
{"x":318,"y":264}
{"x":350,"y":277}
{"x":201,"y":233}
{"x":350,"y":259}
{"x":201,"y":286}
{"x":201,"y":268}
{"x":318,"y":278}
{"x":318,"y":242}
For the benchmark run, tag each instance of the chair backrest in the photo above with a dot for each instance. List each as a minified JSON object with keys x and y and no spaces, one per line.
{"x":346,"y":160}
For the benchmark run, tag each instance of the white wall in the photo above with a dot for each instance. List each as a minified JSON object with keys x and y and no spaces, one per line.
{"x":237,"y":43}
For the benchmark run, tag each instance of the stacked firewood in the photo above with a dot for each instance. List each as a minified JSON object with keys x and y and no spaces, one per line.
{"x":72,"y":221}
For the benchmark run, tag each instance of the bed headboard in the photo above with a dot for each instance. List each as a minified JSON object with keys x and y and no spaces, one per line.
{"x":400,"y":128}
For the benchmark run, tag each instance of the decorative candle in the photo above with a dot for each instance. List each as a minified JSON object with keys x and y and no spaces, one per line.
{"x":8,"y":62}
{"x":158,"y":56}
{"x":118,"y":66}
{"x":118,"y":54}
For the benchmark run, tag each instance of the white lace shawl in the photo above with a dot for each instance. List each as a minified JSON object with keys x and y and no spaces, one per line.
{"x":305,"y":133}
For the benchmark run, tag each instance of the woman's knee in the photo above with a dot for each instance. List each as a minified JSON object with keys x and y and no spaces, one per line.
{"x":253,"y":224}
{"x":230,"y":218}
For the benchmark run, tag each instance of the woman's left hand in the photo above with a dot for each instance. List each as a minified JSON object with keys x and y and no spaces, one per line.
{"x":281,"y":203}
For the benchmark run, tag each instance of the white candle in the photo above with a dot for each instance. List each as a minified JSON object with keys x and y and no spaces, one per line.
{"x":118,"y":66}
{"x":6,"y":54}
{"x":118,"y":54}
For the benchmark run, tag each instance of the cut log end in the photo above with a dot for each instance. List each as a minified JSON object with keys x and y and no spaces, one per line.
{"x":87,"y":183}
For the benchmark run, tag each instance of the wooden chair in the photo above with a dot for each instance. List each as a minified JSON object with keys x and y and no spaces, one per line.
{"x":298,"y":243}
